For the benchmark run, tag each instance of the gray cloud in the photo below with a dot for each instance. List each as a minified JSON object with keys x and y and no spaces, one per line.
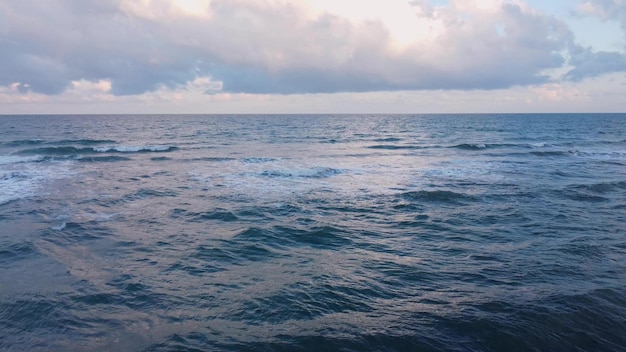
{"x":593,"y":64}
{"x":265,"y":47}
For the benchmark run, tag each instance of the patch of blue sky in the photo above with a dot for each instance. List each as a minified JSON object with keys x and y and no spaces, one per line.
{"x":589,"y":31}
{"x":597,"y":34}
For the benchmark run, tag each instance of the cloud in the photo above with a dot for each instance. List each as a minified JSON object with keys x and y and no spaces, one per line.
{"x":93,"y":97}
{"x":605,"y":9}
{"x":280,"y":46}
{"x":166,"y":9}
{"x":593,"y":64}
{"x":49,"y":46}
{"x":88,"y":96}
{"x":588,"y":63}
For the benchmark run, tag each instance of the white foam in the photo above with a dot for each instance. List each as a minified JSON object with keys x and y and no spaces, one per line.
{"x":314,"y":172}
{"x":59,"y":227}
{"x":274,"y":179}
{"x":23,"y":180}
{"x":134,"y":148}
{"x":257,"y":160}
{"x":15,"y":185}
{"x":103,"y":217}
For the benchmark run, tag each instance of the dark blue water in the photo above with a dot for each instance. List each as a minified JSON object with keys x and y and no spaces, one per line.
{"x":313,"y":233}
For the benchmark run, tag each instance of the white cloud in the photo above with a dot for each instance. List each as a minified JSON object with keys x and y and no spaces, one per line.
{"x":216,"y":50}
{"x":166,"y":9}
{"x":605,"y":9}
{"x":99,"y":87}
{"x":284,"y":46}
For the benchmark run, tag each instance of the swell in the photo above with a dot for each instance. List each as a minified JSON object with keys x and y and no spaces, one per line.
{"x":31,"y":142}
{"x":395,"y":147}
{"x":315,"y":172}
{"x":322,"y":237}
{"x":304,"y":317}
{"x":589,"y":321}
{"x":439,"y":196}
{"x":594,"y":192}
{"x":217,"y":214}
{"x":102,"y":159}
{"x":17,"y":315}
{"x":72,"y":150}
{"x":460,"y":146}
{"x":603,"y":187}
{"x":16,"y":251}
{"x":421,"y":261}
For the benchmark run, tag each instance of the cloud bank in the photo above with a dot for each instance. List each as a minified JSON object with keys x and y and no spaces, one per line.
{"x":130,"y":47}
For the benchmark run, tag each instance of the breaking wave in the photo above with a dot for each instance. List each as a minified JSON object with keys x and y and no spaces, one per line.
{"x":72,"y":150}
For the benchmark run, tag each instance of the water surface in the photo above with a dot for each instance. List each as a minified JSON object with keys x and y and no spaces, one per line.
{"x":313,"y":232}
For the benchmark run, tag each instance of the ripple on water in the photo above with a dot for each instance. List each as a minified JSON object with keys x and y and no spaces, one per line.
{"x":217,"y":214}
{"x":443,"y":233}
{"x":437,"y":196}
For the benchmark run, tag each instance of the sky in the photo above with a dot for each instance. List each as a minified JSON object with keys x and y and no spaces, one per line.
{"x":312,"y":56}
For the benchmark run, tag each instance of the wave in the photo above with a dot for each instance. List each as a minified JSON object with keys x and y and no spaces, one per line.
{"x":483,"y":146}
{"x":579,"y":196}
{"x":394,"y":147}
{"x":136,"y":149}
{"x":102,"y":159}
{"x":24,"y":181}
{"x":605,"y":187}
{"x":56,"y":151}
{"x":471,"y":146}
{"x":13,"y":159}
{"x":315,"y":172}
{"x":594,"y":193}
{"x":15,"y":175}
{"x":83,"y":142}
{"x":550,"y":153}
{"x":462,"y":146}
{"x":435,"y":196}
{"x":607,"y":157}
{"x":218,"y":214}
{"x":257,"y":160}
{"x":16,"y":251}
{"x":71,"y":150}
{"x":23,"y":142}
{"x":212,"y":159}
{"x":144,"y":193}
{"x":388,"y":139}
{"x":283,"y":236}
{"x":16,"y":185}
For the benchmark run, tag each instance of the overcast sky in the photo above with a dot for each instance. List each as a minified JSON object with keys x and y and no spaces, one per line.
{"x":312,"y":56}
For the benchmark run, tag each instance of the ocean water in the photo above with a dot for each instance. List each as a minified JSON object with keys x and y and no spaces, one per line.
{"x":313,"y":233}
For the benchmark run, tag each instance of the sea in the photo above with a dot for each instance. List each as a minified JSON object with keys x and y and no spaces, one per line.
{"x":464,"y":232}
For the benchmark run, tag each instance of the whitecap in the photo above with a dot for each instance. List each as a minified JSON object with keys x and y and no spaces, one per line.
{"x":134,"y":149}
{"x":315,"y":172}
{"x":257,"y":160}
{"x":59,"y":227}
{"x":27,"y":180}
{"x":15,"y":185}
